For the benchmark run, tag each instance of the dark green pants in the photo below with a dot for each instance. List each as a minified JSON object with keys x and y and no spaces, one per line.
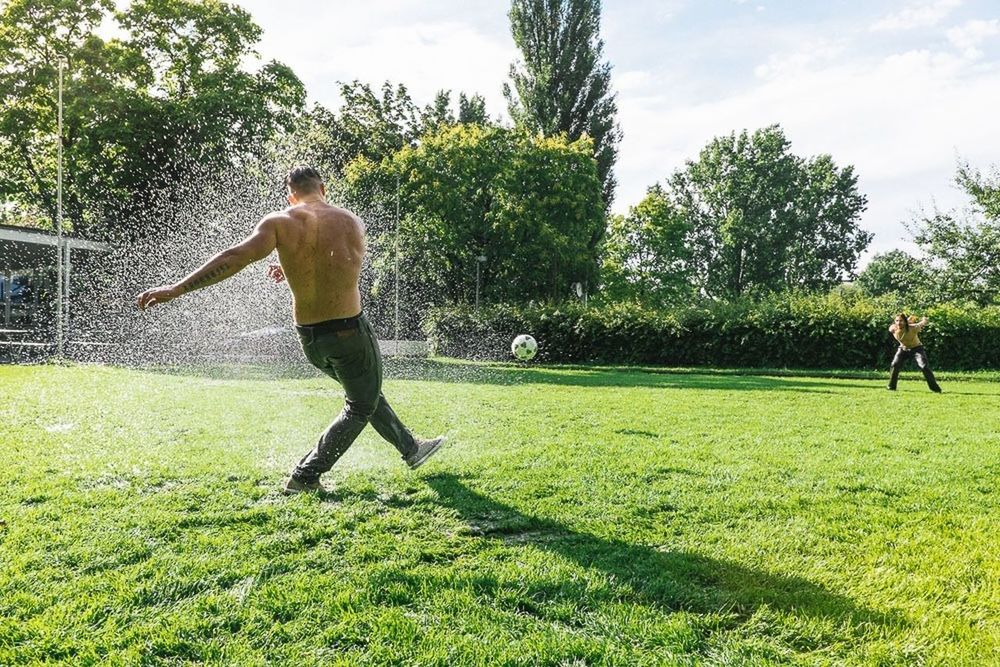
{"x":351,"y":357}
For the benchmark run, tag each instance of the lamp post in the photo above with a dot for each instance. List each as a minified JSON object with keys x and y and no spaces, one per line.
{"x":479,"y":262}
{"x":395,"y":259}
{"x":59,"y":215}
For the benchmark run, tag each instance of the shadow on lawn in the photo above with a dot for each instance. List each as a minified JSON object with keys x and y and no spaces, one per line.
{"x":433,"y":370}
{"x":664,"y":578}
{"x":430,"y":370}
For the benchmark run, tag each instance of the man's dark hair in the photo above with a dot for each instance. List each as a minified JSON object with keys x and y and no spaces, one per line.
{"x":303,"y":179}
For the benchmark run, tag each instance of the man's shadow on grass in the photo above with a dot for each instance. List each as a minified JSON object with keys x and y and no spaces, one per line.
{"x":663,"y":578}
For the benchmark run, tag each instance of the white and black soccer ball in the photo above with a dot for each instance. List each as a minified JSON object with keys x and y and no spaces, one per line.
{"x":524,"y":347}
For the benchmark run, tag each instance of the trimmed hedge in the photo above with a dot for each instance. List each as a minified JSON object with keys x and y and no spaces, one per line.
{"x":781,"y":332}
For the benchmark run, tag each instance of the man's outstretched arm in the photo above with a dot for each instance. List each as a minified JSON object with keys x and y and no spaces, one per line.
{"x":227,"y":263}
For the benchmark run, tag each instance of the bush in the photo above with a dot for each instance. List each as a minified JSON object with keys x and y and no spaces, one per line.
{"x":789,"y":331}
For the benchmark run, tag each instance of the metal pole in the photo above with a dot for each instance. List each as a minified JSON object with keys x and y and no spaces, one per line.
{"x":59,"y":216}
{"x":396,"y":265}
{"x":8,"y":284}
{"x":67,"y":296}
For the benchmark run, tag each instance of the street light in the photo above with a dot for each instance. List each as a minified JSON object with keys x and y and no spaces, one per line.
{"x":395,"y":261}
{"x":479,"y":261}
{"x":59,"y":215}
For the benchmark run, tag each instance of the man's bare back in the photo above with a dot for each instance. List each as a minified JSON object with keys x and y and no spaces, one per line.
{"x":321,"y":248}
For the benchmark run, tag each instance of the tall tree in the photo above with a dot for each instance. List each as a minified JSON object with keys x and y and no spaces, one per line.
{"x":170,"y":98}
{"x":372,"y":125}
{"x":375,"y":124}
{"x":472,"y":109}
{"x":526,"y":204}
{"x":34,"y":38}
{"x":439,"y":113}
{"x":645,"y":258}
{"x":983,"y":190}
{"x":896,"y":272}
{"x":964,"y":246}
{"x":562,"y":85}
{"x":763,"y":219}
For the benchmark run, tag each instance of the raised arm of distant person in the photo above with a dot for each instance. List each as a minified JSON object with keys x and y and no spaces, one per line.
{"x":224,"y":265}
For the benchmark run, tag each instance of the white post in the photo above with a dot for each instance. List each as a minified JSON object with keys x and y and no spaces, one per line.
{"x":59,"y":216}
{"x":67,"y":296}
{"x":396,"y":265}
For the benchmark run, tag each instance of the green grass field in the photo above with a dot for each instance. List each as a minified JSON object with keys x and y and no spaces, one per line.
{"x":577,"y":517}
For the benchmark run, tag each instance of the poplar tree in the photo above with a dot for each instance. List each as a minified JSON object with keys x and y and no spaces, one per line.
{"x":562,"y":84}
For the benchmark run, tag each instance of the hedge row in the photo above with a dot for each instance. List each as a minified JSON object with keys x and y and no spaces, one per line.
{"x":782,"y":332}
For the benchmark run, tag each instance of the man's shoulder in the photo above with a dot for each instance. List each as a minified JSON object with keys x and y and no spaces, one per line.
{"x":276,"y":217}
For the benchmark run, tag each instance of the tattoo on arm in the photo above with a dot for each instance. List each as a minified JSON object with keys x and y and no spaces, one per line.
{"x":206,"y":279}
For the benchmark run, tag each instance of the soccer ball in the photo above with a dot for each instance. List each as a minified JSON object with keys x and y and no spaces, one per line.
{"x":524,"y":347}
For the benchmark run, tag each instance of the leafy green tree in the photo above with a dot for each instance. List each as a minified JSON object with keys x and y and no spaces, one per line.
{"x":762,"y":219}
{"x":896,"y":272}
{"x":526,"y":204}
{"x":827,"y":240}
{"x":194,"y":50}
{"x":984,"y":190}
{"x":370,"y":125}
{"x":964,"y":246}
{"x":562,"y":85}
{"x":311,"y":140}
{"x":34,"y":36}
{"x":168,"y":101}
{"x":438,"y":113}
{"x":547,"y":207}
{"x":472,"y":109}
{"x":645,"y":257}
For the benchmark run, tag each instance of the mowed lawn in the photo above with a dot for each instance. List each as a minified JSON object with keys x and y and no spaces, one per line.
{"x":576,"y":517}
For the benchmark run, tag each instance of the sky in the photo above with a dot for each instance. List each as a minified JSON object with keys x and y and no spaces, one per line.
{"x":900,"y":89}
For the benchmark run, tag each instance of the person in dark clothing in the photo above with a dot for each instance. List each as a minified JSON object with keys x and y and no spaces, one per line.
{"x":905,"y":329}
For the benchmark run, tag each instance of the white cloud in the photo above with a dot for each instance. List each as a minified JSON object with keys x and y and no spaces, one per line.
{"x":631,"y":81}
{"x":918,"y":15}
{"x":421,"y":45}
{"x":806,"y":57}
{"x":901,"y":121}
{"x":971,"y":34}
{"x":426,"y":57}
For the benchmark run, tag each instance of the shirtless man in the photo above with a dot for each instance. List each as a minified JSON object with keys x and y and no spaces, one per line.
{"x":321,"y":248}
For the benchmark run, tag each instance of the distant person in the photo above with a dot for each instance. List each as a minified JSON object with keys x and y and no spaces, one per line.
{"x":905,"y":329}
{"x":320,"y":248}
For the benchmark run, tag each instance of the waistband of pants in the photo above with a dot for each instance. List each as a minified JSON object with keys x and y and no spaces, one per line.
{"x":330,"y":326}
